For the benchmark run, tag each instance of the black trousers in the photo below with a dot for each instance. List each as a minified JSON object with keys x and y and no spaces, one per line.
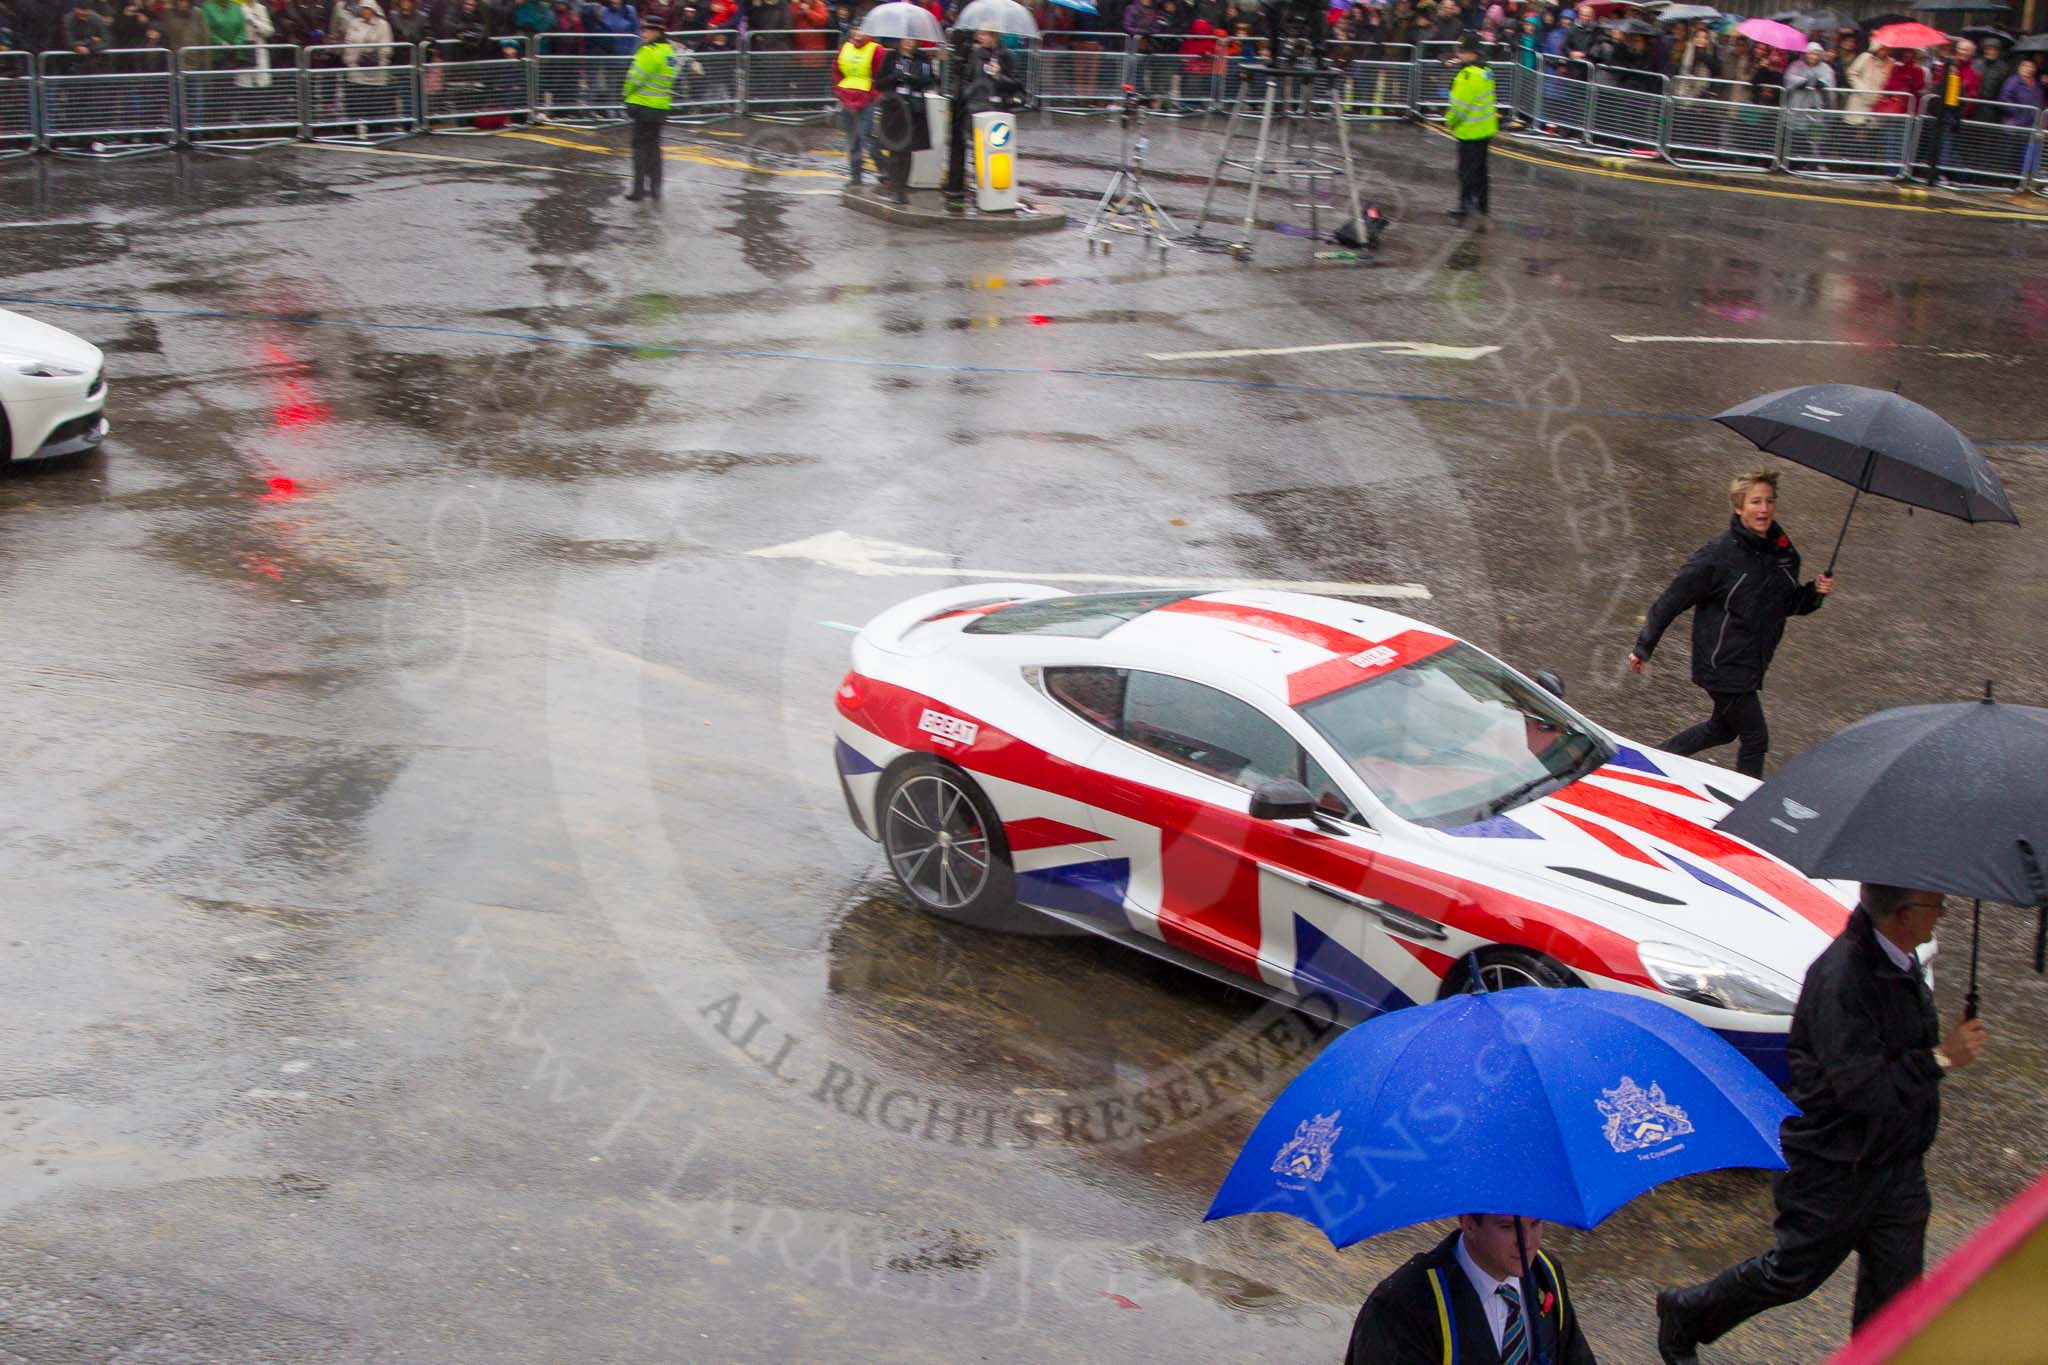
{"x":1825,"y":1211}
{"x":647,"y":147}
{"x":1472,"y":173}
{"x":1736,"y":715}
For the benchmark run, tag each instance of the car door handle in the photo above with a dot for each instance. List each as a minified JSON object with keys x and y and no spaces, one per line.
{"x":1399,"y":920}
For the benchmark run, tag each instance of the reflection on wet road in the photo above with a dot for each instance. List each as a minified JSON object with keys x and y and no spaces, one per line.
{"x":433,"y":927}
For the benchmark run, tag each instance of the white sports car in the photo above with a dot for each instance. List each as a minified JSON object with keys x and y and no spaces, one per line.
{"x":53,"y":389}
{"x":1331,"y":801}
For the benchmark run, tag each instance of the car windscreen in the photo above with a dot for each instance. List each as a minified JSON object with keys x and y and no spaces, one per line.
{"x":1088,"y":617}
{"x":1454,"y":738}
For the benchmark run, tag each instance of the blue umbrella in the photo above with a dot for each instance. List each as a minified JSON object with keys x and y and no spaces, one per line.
{"x":1554,"y":1104}
{"x":1085,"y":6}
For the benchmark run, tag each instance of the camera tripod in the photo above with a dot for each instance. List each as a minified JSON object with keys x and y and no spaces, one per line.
{"x":1127,"y":206}
{"x":1295,"y":154}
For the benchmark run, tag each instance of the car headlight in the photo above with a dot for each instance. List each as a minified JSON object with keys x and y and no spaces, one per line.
{"x":1709,"y":980}
{"x":45,"y":369}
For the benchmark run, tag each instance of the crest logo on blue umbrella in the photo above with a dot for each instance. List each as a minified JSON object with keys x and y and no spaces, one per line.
{"x":1306,"y":1155}
{"x":1638,"y":1119}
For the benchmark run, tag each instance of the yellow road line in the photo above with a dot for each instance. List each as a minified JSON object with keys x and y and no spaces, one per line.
{"x":1755,"y":190}
{"x":694,"y":155}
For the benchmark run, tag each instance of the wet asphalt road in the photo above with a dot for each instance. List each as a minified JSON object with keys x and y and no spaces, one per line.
{"x":432,"y":930}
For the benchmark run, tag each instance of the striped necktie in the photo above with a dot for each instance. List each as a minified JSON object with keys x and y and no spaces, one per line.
{"x":1514,"y":1341}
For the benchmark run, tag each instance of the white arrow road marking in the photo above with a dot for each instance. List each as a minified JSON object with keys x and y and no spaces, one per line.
{"x":1420,"y":350}
{"x":872,"y":558}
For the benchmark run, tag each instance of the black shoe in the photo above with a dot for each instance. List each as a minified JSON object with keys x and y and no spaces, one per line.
{"x":1455,"y":215}
{"x":1675,"y":1344}
{"x":635,"y":197}
{"x":856,"y":180}
{"x":902,"y":195}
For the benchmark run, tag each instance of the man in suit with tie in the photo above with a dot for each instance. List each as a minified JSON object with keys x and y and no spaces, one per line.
{"x":1463,"y":1303}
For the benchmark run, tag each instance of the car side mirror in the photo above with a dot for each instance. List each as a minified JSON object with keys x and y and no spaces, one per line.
{"x":1549,"y":682}
{"x":1282,"y":799}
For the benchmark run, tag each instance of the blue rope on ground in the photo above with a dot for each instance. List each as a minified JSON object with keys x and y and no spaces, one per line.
{"x":867,"y":362}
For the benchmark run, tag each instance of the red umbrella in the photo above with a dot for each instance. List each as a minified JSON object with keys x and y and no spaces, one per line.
{"x":1909,"y":37}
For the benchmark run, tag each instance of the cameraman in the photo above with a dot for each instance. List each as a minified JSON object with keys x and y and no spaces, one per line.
{"x":992,"y":74}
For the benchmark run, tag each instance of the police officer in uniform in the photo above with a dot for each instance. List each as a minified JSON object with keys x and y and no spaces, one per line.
{"x":1473,"y":118}
{"x":1462,"y":1303}
{"x":650,"y":86}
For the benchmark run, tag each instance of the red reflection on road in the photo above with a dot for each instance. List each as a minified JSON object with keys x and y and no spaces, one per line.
{"x":295,"y":409}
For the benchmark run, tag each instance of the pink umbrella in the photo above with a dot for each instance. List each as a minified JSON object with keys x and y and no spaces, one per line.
{"x":1773,"y":34}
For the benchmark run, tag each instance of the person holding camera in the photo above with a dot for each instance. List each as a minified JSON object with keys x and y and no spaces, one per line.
{"x":991,"y":74}
{"x":901,"y":127}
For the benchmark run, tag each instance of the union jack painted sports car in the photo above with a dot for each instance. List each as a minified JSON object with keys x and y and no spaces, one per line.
{"x":1328,"y":800}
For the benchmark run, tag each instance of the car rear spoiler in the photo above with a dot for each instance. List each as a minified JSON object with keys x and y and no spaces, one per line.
{"x":886,"y":631}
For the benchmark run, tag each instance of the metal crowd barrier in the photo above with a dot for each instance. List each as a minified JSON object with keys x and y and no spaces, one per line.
{"x":1710,"y":129}
{"x":1435,"y":69}
{"x":1087,"y":72}
{"x":460,"y":93}
{"x":1844,"y":145}
{"x":240,"y":98}
{"x":712,"y":83}
{"x":793,"y":83}
{"x":121,"y":102}
{"x":1376,"y":87}
{"x":1984,"y":152}
{"x":360,"y":92}
{"x":18,"y":124}
{"x":129,"y":101}
{"x":573,"y":85}
{"x":1627,"y":118}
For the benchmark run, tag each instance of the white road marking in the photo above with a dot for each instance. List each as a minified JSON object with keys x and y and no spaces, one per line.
{"x":1419,"y":350}
{"x":1813,"y":341}
{"x":868,"y":557}
{"x":1742,"y":341}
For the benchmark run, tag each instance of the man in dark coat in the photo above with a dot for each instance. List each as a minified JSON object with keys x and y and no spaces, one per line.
{"x":1867,"y":1061}
{"x":1741,"y":586}
{"x":902,"y":125}
{"x":1462,"y":1301}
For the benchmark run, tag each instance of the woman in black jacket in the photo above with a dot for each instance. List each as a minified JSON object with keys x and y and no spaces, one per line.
{"x":901,"y":126}
{"x":1741,"y":587}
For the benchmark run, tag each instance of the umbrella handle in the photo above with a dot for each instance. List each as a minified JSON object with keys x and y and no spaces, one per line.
{"x":2039,"y":887}
{"x":1869,"y":463}
{"x":1970,"y":999}
{"x":1532,"y":1323}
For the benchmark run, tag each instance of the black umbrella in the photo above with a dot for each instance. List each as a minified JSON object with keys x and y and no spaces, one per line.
{"x":1634,"y":26}
{"x":1962,"y":7}
{"x":1877,"y":442}
{"x":2037,"y":43}
{"x":1984,"y":33}
{"x":1939,"y":798}
{"x":1815,"y":20}
{"x":1878,"y":21}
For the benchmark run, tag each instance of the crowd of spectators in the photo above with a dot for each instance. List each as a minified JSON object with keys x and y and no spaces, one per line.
{"x":1840,"y":70}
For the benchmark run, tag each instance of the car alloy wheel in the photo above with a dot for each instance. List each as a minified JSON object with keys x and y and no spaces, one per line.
{"x":938,"y":845}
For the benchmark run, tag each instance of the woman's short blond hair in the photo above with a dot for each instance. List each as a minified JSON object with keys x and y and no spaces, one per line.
{"x":1739,"y":486}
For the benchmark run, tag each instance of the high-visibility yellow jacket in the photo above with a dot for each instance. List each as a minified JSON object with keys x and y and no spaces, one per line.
{"x":857,"y":65}
{"x":1472,"y":114}
{"x":651,"y":79}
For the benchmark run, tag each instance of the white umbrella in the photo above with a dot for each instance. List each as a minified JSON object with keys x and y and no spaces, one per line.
{"x":900,"y":19}
{"x":997,"y":16}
